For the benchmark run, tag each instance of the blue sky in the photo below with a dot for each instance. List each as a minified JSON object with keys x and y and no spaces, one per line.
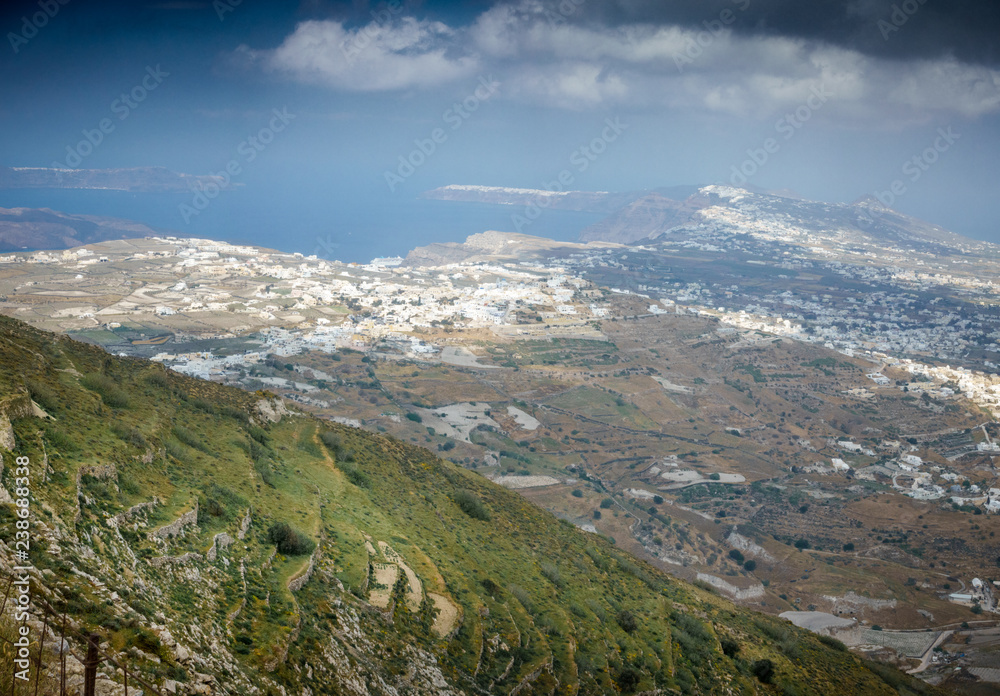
{"x":832,"y":103}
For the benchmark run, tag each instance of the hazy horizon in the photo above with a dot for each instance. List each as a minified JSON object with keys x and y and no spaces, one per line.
{"x":336,"y":116}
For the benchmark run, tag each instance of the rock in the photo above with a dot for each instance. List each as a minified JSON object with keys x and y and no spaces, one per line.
{"x":7,"y":440}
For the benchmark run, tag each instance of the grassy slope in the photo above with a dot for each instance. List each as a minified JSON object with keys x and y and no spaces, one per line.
{"x":542,"y":604}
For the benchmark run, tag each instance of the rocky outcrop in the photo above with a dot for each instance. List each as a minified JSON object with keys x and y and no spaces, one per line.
{"x":270,"y":410}
{"x":244,"y":525}
{"x":299,"y":582}
{"x":176,"y":528}
{"x":755,"y":591}
{"x":160,"y":561}
{"x":220,"y":542}
{"x":101,"y":472}
{"x":130,"y":514}
{"x":13,"y":408}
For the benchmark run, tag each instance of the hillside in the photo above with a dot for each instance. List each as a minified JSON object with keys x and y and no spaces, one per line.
{"x":41,"y":228}
{"x":219,"y":544}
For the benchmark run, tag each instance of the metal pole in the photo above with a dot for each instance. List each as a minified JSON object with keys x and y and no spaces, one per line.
{"x":63,"y":649}
{"x":41,"y":645}
{"x":90,"y":666}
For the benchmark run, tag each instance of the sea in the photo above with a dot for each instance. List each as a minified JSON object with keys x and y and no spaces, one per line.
{"x":336,"y":225}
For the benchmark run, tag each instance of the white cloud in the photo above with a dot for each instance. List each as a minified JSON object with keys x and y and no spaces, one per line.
{"x":544,"y":58}
{"x":377,"y":57}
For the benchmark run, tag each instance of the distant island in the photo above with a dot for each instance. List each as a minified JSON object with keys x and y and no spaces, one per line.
{"x":135,"y":179}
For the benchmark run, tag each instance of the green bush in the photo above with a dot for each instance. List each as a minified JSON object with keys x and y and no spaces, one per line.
{"x":189,"y":438}
{"x":288,"y":540}
{"x":626,"y":620}
{"x":471,"y":505}
{"x":415,"y":417}
{"x":577,"y":493}
{"x":332,"y":442}
{"x":355,"y":475}
{"x":174,"y":449}
{"x":521,"y":595}
{"x":43,"y":395}
{"x":130,"y":435}
{"x":832,"y":642}
{"x":763,"y":670}
{"x":105,"y":387}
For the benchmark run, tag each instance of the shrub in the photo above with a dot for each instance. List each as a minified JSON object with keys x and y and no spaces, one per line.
{"x":626,"y":620}
{"x":597,"y":514}
{"x":606,"y":503}
{"x":521,"y":595}
{"x":750,"y":566}
{"x":832,"y":642}
{"x":577,"y":493}
{"x":471,"y":505}
{"x":258,"y":434}
{"x":288,"y":540}
{"x":802,"y":544}
{"x":263,"y":469}
{"x":658,"y":499}
{"x":763,"y":670}
{"x":130,"y":435}
{"x":736,"y":555}
{"x":849,"y":546}
{"x":189,"y":438}
{"x":60,"y":440}
{"x":715,"y":477}
{"x":158,"y":379}
{"x":355,"y":475}
{"x":105,"y":387}
{"x":332,"y":442}
{"x":43,"y":395}
{"x":551,"y":572}
{"x":202,"y":405}
{"x":730,"y":648}
{"x":174,"y":449}
{"x":415,"y":417}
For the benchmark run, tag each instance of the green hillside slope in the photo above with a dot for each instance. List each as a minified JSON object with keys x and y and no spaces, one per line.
{"x":219,"y":545}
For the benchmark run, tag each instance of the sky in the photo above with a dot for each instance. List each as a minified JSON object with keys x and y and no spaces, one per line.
{"x":332,"y":117}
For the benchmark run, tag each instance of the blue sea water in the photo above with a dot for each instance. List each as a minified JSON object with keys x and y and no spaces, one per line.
{"x":342,"y":225}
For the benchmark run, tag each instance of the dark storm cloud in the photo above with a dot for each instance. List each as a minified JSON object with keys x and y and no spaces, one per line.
{"x":965,"y":29}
